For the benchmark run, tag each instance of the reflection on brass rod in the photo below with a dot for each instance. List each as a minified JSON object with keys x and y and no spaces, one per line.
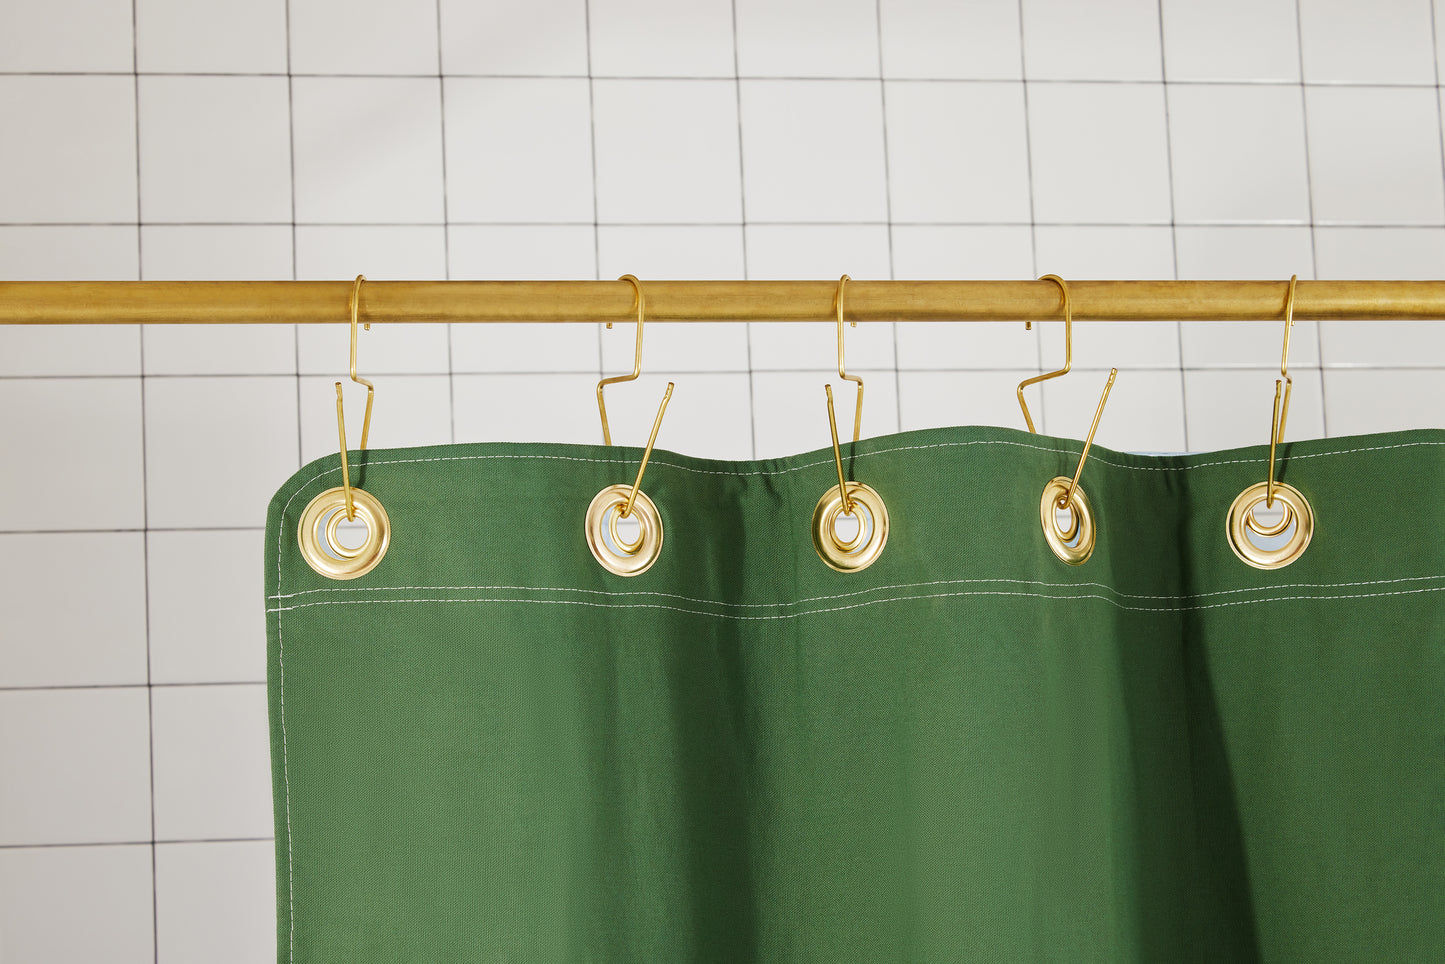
{"x":309,"y":302}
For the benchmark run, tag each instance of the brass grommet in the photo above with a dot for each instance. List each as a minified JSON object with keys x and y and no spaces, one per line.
{"x":608,"y":548}
{"x":316,"y":534}
{"x":1241,"y":522}
{"x":1075,"y":544}
{"x":863,"y":549}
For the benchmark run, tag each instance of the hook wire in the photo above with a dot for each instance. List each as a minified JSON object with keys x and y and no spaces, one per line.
{"x":636,"y":362}
{"x":370,"y":398}
{"x":842,"y":371}
{"x":1068,"y":349}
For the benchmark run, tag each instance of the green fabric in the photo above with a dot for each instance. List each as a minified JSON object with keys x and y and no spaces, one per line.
{"x":490,"y":749}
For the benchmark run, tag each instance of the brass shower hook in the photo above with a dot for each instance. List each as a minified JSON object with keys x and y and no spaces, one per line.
{"x":854,"y":501}
{"x":318,"y":532}
{"x":618,"y":502}
{"x":1296,"y":524}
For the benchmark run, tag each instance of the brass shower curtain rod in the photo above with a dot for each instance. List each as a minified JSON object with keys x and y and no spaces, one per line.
{"x":382,"y":302}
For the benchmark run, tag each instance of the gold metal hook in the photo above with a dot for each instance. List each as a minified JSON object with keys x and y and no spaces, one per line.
{"x":842,"y":371}
{"x":370,"y":398}
{"x":1067,"y":499}
{"x":636,"y":366}
{"x":1281,"y":406}
{"x":1068,"y":352}
{"x":647,"y":453}
{"x":837,"y":454}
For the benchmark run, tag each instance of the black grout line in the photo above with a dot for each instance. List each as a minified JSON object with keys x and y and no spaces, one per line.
{"x":592,"y":134}
{"x":714,"y":78}
{"x":827,"y":225}
{"x":888,"y":204}
{"x":136,"y":843}
{"x":1033,"y":221}
{"x":150,"y":685}
{"x":743,"y":229}
{"x":1173,"y":219}
{"x":291,"y":148}
{"x":1310,"y":200}
{"x":446,"y":226}
{"x":1433,"y":366}
{"x":145,"y":497}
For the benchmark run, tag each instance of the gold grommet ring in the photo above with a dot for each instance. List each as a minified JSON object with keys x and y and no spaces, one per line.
{"x":318,"y":534}
{"x":1241,"y":523}
{"x":1074,"y":544}
{"x":863,"y":548}
{"x":614,"y":553}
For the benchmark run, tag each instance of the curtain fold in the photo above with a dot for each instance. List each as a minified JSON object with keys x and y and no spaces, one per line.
{"x":490,"y":748}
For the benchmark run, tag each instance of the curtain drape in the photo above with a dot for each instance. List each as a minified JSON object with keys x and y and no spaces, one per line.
{"x":489,"y":748}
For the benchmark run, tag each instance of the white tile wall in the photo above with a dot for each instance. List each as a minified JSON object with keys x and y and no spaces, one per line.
{"x":579,"y":139}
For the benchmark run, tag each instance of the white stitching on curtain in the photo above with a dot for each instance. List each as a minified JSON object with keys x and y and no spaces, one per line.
{"x":846,"y":595}
{"x":859,"y":605}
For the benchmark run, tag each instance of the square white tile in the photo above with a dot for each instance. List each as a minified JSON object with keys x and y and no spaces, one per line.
{"x":74,"y":766}
{"x":1076,"y":253}
{"x":52,"y":641}
{"x":957,"y":152}
{"x":73,"y":461}
{"x":807,"y":38}
{"x":207,"y":623}
{"x":1380,"y":400}
{"x":217,"y":448}
{"x":940,"y":398}
{"x":215,"y":902}
{"x":683,"y":252}
{"x":1232,"y":409}
{"x":1387,"y":42}
{"x":388,"y":253}
{"x":368,"y":37}
{"x":69,"y":149}
{"x":709,"y":415}
{"x":80,"y":36}
{"x":1243,"y":254}
{"x":1085,"y":41}
{"x":368,"y":150}
{"x":1386,"y":254}
{"x":790,"y":410}
{"x":798,"y":165}
{"x":936,"y":39}
{"x":1239,"y":154}
{"x":1231,"y":40}
{"x":1375,"y":155}
{"x":69,"y":253}
{"x":209,"y":252}
{"x":684,"y":171}
{"x":212,"y":762}
{"x":973,"y":253}
{"x":541,"y":38}
{"x":173,"y":36}
{"x":658,"y":38}
{"x":803,"y":252}
{"x":529,"y":408}
{"x":215,"y":149}
{"x":1099,"y":152}
{"x":503,"y":165}
{"x":409,"y":410}
{"x":73,"y":905}
{"x":1145,"y":411}
{"x":518,"y":253}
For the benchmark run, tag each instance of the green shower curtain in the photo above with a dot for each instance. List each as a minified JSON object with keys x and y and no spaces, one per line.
{"x":489,"y":748}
